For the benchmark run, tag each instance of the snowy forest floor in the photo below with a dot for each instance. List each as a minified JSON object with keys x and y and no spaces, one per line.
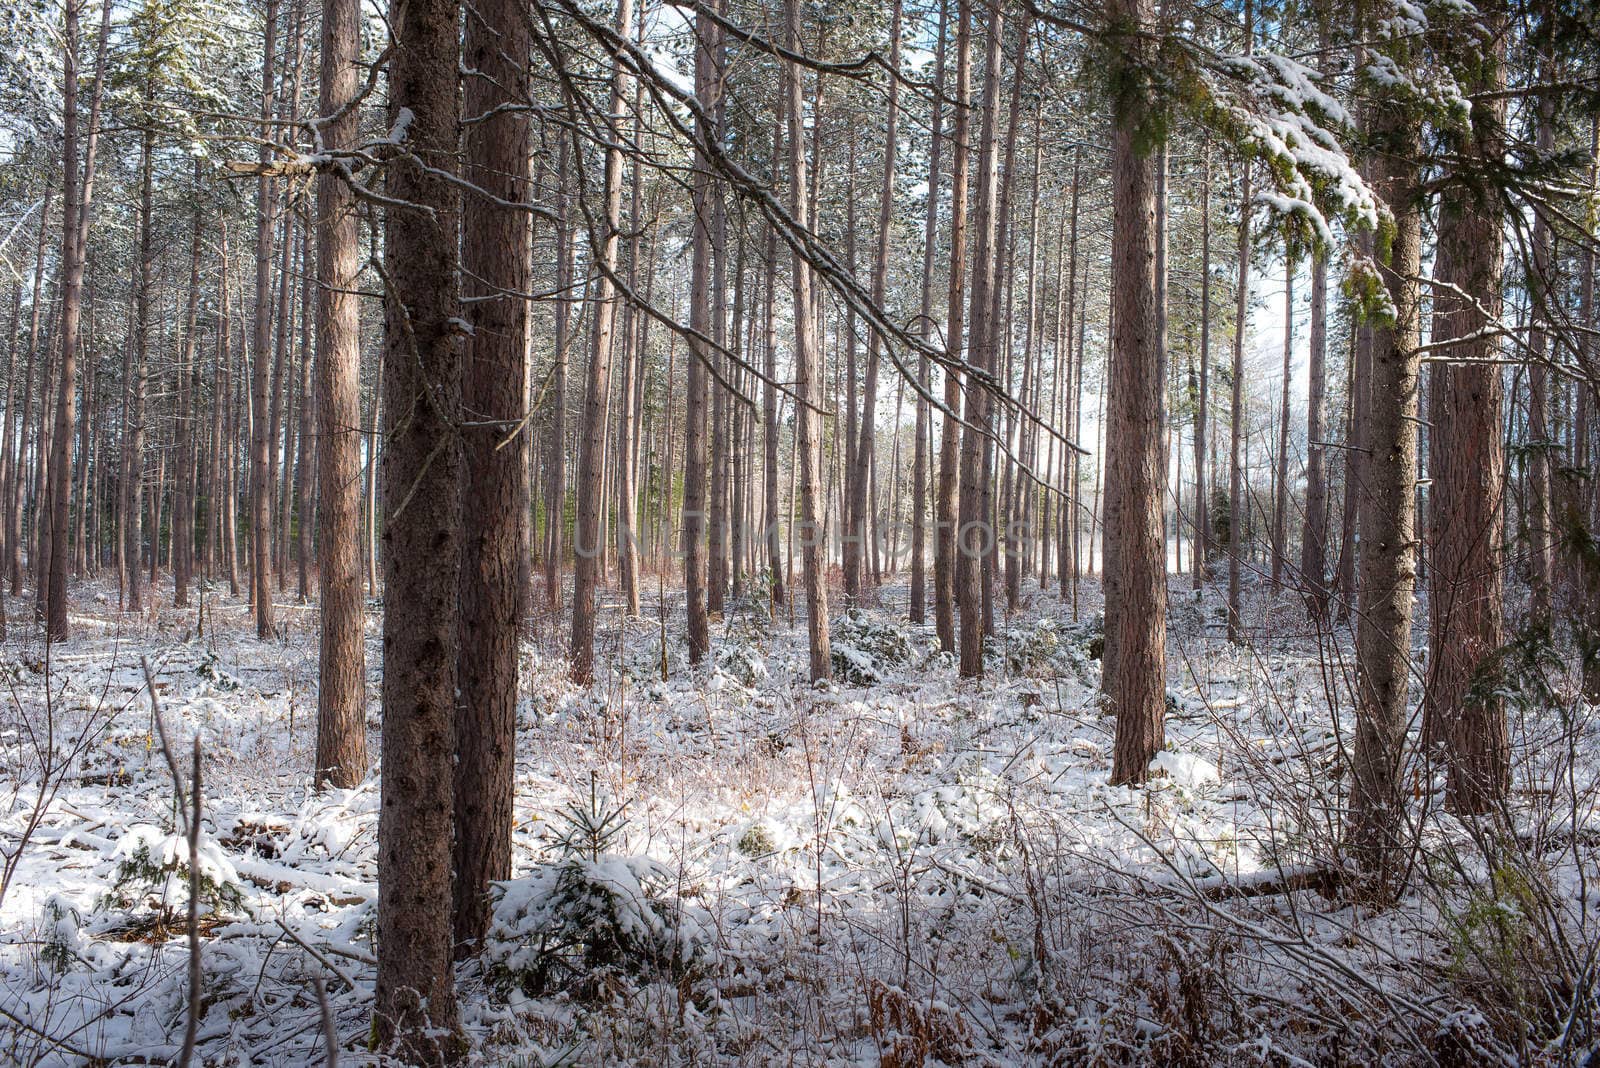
{"x":903,"y":868}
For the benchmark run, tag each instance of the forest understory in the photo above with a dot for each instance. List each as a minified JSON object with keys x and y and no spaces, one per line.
{"x":733,"y":866}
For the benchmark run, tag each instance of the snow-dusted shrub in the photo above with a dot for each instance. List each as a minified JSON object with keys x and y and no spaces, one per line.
{"x":591,"y":916}
{"x":577,"y":922}
{"x":742,"y":662}
{"x":61,"y":934}
{"x":210,"y":668}
{"x":153,"y":874}
{"x":1051,"y":646}
{"x":866,"y":649}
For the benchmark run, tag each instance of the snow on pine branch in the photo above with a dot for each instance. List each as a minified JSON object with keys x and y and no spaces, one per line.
{"x":1277,"y":111}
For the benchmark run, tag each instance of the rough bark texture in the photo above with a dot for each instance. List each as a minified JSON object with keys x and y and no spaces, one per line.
{"x":494,"y":264}
{"x":1135,"y":575}
{"x":415,"y":1010}
{"x":341,"y":686}
{"x":1388,"y":524}
{"x":1466,"y":597}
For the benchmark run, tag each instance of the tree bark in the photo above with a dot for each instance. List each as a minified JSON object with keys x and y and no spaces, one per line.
{"x":1388,"y":523}
{"x":261,"y":353}
{"x":1314,"y":535}
{"x":415,"y":1012}
{"x":341,"y":758}
{"x":808,"y":374}
{"x":1135,"y":572}
{"x":1467,"y":464}
{"x":1237,"y":487}
{"x":75,"y":241}
{"x":587,"y":541}
{"x":976,"y":534}
{"x":694,"y":410}
{"x":946,"y":505}
{"x":1283,"y":498}
{"x":495,"y":267}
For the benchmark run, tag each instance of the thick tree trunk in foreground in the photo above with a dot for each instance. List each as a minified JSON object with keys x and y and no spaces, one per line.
{"x":341,"y":677}
{"x":415,"y":1010}
{"x":1135,"y":576}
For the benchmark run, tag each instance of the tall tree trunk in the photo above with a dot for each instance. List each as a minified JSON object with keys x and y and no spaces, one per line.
{"x":305,"y":482}
{"x":1237,"y":486}
{"x":1388,"y":522}
{"x":261,"y":352}
{"x":1541,"y":441}
{"x":865,"y":438}
{"x":975,"y":533}
{"x":188,"y":390}
{"x":15,"y":499}
{"x":75,"y":242}
{"x":700,"y":307}
{"x":633,"y":367}
{"x":946,"y":505}
{"x":496,"y":267}
{"x":587,"y":541}
{"x":1314,"y":536}
{"x":769,"y":404}
{"x":1067,"y":544}
{"x":930,"y":241}
{"x":133,"y":431}
{"x":1283,"y":498}
{"x":1135,"y":572}
{"x":415,"y":1010}
{"x":341,"y":758}
{"x":808,"y":375}
{"x":1466,"y":596}
{"x":1201,"y":550}
{"x":555,"y":455}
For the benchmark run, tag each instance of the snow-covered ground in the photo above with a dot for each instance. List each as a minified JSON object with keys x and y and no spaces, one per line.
{"x":903,"y":868}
